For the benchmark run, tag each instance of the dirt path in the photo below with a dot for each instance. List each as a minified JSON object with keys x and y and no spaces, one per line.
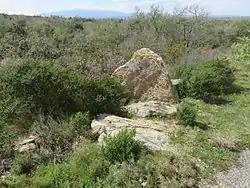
{"x":236,"y":177}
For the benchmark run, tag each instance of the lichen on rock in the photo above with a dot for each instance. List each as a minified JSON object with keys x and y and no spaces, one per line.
{"x":146,"y":76}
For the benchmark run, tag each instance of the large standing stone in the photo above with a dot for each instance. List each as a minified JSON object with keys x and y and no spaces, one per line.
{"x":154,"y":134}
{"x":146,"y":76}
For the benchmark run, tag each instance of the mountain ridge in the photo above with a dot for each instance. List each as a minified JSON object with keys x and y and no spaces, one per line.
{"x":89,"y":13}
{"x":97,"y":14}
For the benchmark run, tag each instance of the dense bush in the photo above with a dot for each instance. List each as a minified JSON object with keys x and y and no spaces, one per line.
{"x":210,"y":78}
{"x":121,"y":147}
{"x":61,"y":92}
{"x":183,"y":72}
{"x":154,"y":170}
{"x":55,"y":139}
{"x":80,"y":121}
{"x":104,"y":43}
{"x":25,"y":164}
{"x":7,"y":136}
{"x":87,"y":167}
{"x":33,"y":88}
{"x":84,"y":168}
{"x":186,"y":114}
{"x":240,"y":50}
{"x":174,"y":52}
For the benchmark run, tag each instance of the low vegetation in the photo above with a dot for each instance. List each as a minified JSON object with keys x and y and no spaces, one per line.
{"x":55,"y":78}
{"x":122,"y":147}
{"x":186,"y":114}
{"x":33,"y":89}
{"x":205,"y":81}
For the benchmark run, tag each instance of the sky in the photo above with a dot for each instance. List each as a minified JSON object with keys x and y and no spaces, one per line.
{"x":34,"y":7}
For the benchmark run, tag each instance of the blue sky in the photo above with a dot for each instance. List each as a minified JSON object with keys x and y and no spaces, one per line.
{"x":216,"y":7}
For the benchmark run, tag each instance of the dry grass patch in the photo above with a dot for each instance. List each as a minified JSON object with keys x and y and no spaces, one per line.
{"x":226,"y":141}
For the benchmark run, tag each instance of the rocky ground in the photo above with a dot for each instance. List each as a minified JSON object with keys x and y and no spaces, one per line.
{"x":236,"y":177}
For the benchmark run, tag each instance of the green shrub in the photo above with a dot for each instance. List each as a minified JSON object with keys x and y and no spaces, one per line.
{"x":80,"y":121}
{"x":245,"y":142}
{"x":56,"y":139}
{"x":8,"y":135}
{"x":24,"y":164}
{"x":121,"y":147}
{"x":186,"y":114}
{"x":210,"y":78}
{"x":108,"y":96}
{"x":161,"y":169}
{"x":33,"y":89}
{"x":88,"y":168}
{"x":174,"y":51}
{"x":84,"y":168}
{"x":240,"y":50}
{"x":183,"y":72}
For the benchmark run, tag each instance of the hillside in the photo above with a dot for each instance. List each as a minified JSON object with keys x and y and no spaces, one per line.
{"x":156,"y":100}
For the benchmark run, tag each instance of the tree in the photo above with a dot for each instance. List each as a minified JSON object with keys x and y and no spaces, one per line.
{"x":190,"y":22}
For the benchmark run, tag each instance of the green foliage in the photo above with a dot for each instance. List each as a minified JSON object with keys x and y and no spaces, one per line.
{"x":210,"y":78}
{"x":104,"y":43}
{"x":6,"y":135}
{"x":241,"y":28}
{"x":34,"y":88}
{"x":245,"y":143}
{"x":121,"y":147}
{"x":24,"y":164}
{"x":240,"y":51}
{"x":80,"y":121}
{"x":84,"y":168}
{"x":84,"y":49}
{"x":88,"y":168}
{"x":55,"y":139}
{"x":154,"y":170}
{"x":186,"y":114}
{"x":209,"y":156}
{"x":106,"y":95}
{"x":174,"y":52}
{"x":183,"y":72}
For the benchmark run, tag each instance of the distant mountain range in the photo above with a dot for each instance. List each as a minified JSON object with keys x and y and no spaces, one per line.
{"x":89,"y":13}
{"x":85,"y":13}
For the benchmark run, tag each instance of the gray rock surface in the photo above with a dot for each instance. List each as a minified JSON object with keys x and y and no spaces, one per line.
{"x":151,"y":108}
{"x":147,"y":77}
{"x":26,"y":144}
{"x":154,"y":134}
